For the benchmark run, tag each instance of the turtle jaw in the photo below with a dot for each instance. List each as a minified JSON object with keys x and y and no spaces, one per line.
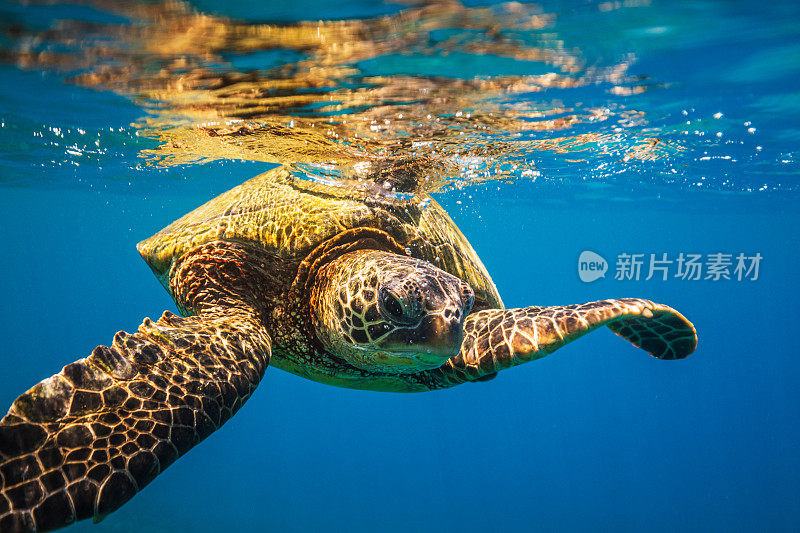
{"x":424,"y":346}
{"x":442,"y":335}
{"x":435,"y":340}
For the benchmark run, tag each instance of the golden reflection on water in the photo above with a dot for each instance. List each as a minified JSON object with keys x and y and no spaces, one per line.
{"x":320,"y":108}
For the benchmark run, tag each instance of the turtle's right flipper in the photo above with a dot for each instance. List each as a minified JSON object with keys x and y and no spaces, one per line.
{"x":495,"y":339}
{"x":84,"y":441}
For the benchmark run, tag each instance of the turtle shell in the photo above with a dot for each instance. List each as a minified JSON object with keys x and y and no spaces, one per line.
{"x":287,"y":217}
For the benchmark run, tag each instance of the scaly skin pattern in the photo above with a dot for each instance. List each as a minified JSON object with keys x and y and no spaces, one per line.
{"x":83,"y":442}
{"x":493,"y":339}
{"x":496,"y":339}
{"x":351,"y":321}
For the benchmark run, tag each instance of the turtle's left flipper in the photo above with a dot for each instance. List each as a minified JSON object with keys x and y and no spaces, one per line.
{"x":495,"y":339}
{"x":84,"y":441}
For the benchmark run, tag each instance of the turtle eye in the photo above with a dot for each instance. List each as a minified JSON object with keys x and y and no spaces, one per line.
{"x":391,"y":307}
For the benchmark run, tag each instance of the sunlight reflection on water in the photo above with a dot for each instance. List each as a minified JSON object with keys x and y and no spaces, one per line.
{"x":431,"y":95}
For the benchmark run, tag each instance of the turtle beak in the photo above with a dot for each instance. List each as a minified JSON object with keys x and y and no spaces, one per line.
{"x":443,"y":332}
{"x":441,"y":335}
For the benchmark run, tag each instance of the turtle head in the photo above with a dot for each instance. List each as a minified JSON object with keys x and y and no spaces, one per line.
{"x":389,"y":313}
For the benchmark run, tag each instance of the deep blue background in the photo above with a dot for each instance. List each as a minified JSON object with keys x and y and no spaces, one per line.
{"x":597,"y":436}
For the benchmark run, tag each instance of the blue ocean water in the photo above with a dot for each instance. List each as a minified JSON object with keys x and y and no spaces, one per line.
{"x":597,"y":436}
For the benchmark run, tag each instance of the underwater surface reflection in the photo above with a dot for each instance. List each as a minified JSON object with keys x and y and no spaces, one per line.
{"x":433,"y":94}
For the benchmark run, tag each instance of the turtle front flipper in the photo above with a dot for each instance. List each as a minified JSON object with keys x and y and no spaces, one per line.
{"x":496,"y":339}
{"x":86,"y":440}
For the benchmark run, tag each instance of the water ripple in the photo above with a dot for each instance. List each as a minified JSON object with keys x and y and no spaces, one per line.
{"x":428,"y":96}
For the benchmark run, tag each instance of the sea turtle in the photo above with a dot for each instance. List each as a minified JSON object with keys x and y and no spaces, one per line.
{"x":350,"y":286}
